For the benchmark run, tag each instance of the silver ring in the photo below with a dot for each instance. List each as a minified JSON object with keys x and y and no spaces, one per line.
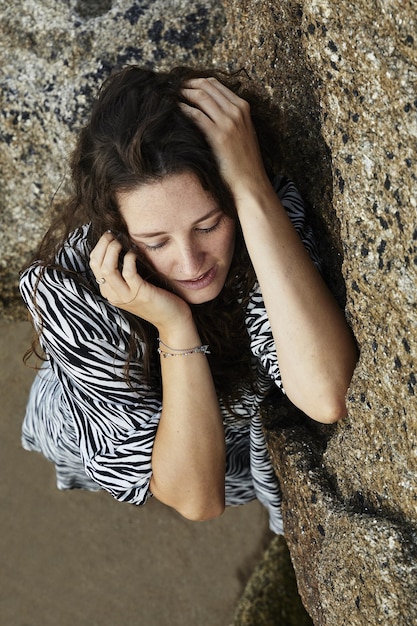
{"x":100,"y":281}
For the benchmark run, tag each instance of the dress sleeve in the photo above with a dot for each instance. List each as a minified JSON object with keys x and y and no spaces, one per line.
{"x":296,"y":211}
{"x":86,"y":341}
{"x":257,"y":322}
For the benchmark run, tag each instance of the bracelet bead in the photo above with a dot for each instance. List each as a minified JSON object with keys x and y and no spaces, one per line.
{"x":183,"y":351}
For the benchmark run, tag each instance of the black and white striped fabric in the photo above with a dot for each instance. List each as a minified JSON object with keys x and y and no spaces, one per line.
{"x":99,"y":431}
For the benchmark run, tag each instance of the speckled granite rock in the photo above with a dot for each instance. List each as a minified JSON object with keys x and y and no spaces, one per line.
{"x":343,"y":76}
{"x":271,"y":597}
{"x":369,"y":63}
{"x":53,"y":57}
{"x":353,"y":565}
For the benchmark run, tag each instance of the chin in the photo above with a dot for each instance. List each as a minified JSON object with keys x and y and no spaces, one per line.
{"x":197,"y":297}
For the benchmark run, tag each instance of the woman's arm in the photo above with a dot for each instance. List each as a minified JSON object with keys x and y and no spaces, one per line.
{"x":315,"y":348}
{"x":188,"y":458}
{"x":189,"y":454}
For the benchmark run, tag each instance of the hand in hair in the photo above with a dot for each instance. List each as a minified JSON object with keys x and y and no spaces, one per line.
{"x":225,"y":120}
{"x":127,"y":290}
{"x":315,"y":348}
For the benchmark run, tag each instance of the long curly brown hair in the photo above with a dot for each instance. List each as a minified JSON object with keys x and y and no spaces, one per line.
{"x":137,"y":134}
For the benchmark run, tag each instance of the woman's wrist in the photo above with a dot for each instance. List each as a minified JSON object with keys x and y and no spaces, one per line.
{"x":167,"y":351}
{"x":254,"y":195}
{"x":181,"y":336}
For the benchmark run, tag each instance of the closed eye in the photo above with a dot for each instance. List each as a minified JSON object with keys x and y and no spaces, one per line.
{"x":210,"y":229}
{"x":205,"y":231}
{"x":155,"y":247}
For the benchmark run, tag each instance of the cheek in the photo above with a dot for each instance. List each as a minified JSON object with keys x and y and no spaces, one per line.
{"x":149,"y":261}
{"x":159,"y":264}
{"x":228,"y":240}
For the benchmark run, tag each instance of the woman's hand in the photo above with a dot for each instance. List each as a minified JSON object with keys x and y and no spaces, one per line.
{"x":225,"y":120}
{"x":127,"y":290}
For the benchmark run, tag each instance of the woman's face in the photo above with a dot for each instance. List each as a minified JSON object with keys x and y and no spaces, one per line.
{"x":180,"y":229}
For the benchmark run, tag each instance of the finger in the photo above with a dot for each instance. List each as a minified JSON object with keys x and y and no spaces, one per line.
{"x":129,"y":269}
{"x":215,"y":89}
{"x":216,"y":101}
{"x":98,"y":252}
{"x":202,"y":119}
{"x":216,"y":107}
{"x":110,"y":262}
{"x":132,"y":282}
{"x":104,"y":260}
{"x":202,"y":103}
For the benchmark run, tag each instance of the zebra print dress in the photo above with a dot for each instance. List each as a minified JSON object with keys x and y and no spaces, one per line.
{"x":99,"y":431}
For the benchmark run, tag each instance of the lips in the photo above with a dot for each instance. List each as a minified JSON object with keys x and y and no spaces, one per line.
{"x":201,"y":282}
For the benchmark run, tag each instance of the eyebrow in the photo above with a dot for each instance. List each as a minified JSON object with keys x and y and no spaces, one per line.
{"x":157,"y":234}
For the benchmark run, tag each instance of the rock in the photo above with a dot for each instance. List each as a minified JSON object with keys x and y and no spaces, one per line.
{"x":353,"y":565}
{"x":370,"y":64}
{"x":270,"y":51}
{"x":271,"y":596}
{"x":343,"y":78}
{"x":54,"y":56}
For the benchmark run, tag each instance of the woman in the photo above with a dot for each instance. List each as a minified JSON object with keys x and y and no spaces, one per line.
{"x":179,"y":280}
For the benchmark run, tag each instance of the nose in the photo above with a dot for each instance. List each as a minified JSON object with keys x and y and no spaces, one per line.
{"x":191,"y":261}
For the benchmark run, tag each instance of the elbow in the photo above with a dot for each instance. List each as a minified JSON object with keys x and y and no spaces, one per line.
{"x":203,"y":513}
{"x":330,"y":412}
{"x":198,"y":508}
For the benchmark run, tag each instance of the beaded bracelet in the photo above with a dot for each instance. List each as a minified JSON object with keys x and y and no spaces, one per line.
{"x":182,"y":352}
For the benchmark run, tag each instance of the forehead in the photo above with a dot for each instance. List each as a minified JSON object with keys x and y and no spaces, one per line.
{"x":172,"y":200}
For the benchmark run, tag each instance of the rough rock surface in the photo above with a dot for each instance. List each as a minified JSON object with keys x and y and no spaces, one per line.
{"x":271,"y":597}
{"x":354,"y":565}
{"x":343,"y":79}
